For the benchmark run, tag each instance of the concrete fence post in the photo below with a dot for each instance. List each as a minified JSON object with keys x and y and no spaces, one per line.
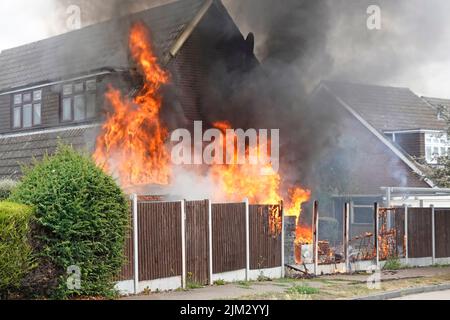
{"x":316,"y":236}
{"x":376,"y":242}
{"x":247,"y":240}
{"x":406,"y":235}
{"x":346,"y":222}
{"x":134,"y":198}
{"x":183,"y":244}
{"x":433,"y":234}
{"x":210,"y":238}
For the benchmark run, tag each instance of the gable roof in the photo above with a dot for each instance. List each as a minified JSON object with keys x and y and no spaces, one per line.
{"x":387,"y":108}
{"x":403,"y":156}
{"x":97,"y":47}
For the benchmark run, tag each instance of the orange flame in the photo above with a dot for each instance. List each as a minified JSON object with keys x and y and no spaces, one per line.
{"x":132,"y":143}
{"x":240,"y":181}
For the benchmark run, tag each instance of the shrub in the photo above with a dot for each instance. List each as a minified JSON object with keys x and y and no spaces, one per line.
{"x":15,"y":251}
{"x":81,"y":218}
{"x":6,"y":186}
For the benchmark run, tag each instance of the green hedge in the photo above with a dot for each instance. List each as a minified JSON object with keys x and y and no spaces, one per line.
{"x":15,"y":251}
{"x":82,"y":218}
{"x":6,"y":187}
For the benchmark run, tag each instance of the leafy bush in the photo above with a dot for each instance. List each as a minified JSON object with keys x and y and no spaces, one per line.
{"x":6,"y":186}
{"x":15,"y":251}
{"x":82,"y":218}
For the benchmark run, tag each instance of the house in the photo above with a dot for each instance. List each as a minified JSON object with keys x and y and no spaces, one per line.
{"x":53,"y":90}
{"x":386,"y":137}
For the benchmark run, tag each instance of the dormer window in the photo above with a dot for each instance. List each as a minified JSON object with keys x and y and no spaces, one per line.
{"x":26,"y":110}
{"x":79,"y":101}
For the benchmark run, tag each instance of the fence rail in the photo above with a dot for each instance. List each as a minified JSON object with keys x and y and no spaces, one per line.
{"x":418,"y":236}
{"x":174,"y":243}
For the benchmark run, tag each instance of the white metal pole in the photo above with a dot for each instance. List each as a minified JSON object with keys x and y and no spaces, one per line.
{"x":135,"y":243}
{"x":210,"y":238}
{"x":406,"y":234}
{"x":433,"y":233}
{"x":183,"y":244}
{"x":247,"y":240}
{"x":282,"y":239}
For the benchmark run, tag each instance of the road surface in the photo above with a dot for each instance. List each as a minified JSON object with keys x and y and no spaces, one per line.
{"x":437,"y":295}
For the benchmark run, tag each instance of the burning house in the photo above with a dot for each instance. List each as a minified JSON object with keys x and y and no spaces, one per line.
{"x":55,"y":88}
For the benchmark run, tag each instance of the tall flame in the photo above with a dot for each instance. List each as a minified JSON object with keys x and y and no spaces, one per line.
{"x":132,"y":144}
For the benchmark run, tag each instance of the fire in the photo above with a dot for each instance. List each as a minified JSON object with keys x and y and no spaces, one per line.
{"x":132,"y":143}
{"x":240,"y":181}
{"x":304,"y":235}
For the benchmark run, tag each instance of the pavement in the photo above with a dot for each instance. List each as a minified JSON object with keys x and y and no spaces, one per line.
{"x":238,"y":291}
{"x":225,"y":292}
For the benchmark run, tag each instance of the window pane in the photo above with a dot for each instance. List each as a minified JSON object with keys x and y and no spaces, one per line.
{"x":363,"y":215}
{"x":67,"y":89}
{"x":79,"y":108}
{"x":17,"y":116}
{"x":79,"y":87}
{"x":37,"y":114}
{"x":91,"y":111}
{"x":17,"y":99}
{"x":67,"y":109}
{"x":37,"y":95}
{"x":27,"y":97}
{"x":27,"y":116}
{"x":91,"y":85}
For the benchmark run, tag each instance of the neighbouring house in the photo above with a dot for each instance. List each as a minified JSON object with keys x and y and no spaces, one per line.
{"x":53,"y":90}
{"x":386,"y":137}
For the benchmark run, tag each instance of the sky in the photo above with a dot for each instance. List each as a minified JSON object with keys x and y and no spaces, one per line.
{"x":412,"y":50}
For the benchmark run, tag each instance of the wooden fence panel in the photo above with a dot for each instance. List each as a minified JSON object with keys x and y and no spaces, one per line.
{"x":229,"y":247}
{"x":398,"y":223}
{"x":197,"y":241}
{"x":442,"y":223}
{"x":160,"y":249}
{"x":265,"y":247}
{"x":419,"y":233}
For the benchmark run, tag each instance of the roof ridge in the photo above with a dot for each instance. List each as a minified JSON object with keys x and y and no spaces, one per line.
{"x":119,"y":19}
{"x":366,"y":85}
